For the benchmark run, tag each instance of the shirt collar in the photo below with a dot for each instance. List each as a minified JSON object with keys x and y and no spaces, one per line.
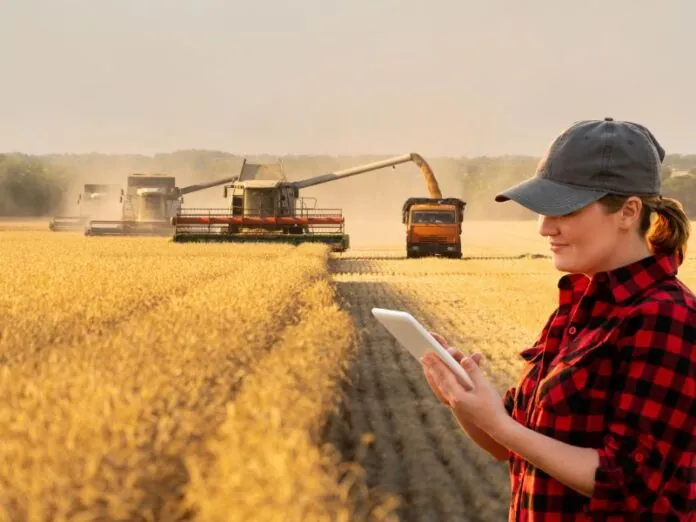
{"x":627,"y":281}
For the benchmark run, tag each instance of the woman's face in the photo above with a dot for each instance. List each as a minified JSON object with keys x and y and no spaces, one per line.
{"x":585,"y":241}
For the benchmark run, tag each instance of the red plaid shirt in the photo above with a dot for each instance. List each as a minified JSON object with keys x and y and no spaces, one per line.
{"x":614,"y":369}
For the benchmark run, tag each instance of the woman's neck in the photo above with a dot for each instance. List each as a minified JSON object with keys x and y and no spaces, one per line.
{"x":624,"y":254}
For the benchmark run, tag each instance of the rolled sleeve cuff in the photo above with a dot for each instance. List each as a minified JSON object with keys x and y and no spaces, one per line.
{"x":628,"y":480}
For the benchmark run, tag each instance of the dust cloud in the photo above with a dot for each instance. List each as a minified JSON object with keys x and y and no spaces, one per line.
{"x":116,"y":169}
{"x":371,"y":202}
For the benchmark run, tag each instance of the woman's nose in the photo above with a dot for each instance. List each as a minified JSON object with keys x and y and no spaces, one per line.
{"x":547,"y":226}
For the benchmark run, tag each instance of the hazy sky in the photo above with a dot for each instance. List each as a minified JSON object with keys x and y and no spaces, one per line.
{"x":362,"y":76}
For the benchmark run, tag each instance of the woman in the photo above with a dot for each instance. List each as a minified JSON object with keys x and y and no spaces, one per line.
{"x":601,"y":425}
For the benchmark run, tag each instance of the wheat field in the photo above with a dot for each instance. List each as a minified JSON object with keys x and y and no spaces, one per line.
{"x":142,"y":380}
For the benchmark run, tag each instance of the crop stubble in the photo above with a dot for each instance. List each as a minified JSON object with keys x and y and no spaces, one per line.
{"x":495,"y":306}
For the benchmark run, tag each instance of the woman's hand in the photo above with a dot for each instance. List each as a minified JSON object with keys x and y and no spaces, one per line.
{"x":458,"y":356}
{"x":483,"y":405}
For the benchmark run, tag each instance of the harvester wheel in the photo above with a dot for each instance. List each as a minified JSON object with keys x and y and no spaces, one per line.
{"x":296,"y":229}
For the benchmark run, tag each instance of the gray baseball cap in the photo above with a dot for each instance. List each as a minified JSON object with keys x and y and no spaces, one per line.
{"x":587,"y":161}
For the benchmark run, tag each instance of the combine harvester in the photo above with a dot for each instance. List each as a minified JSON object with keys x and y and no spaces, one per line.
{"x":148,"y":205}
{"x":271,"y":210}
{"x":96,"y":200}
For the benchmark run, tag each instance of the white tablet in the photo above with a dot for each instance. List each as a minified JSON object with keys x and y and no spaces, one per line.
{"x":417,"y":340}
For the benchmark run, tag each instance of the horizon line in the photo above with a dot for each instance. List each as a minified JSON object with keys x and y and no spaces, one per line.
{"x":152,"y":155}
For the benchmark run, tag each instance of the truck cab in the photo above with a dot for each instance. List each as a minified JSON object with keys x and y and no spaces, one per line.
{"x":433,"y":226}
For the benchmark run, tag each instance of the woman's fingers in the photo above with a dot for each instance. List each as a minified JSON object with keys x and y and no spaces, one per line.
{"x":458,"y":356}
{"x":440,"y":339}
{"x":454,"y":352}
{"x":477,"y":358}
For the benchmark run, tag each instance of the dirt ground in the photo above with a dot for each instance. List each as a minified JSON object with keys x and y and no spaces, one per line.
{"x":495,"y":301}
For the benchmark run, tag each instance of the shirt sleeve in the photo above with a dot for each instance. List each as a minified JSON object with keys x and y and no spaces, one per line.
{"x":509,"y":399}
{"x":647,"y":460}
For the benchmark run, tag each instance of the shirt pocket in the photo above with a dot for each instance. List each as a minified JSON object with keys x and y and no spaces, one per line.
{"x":578,"y":382}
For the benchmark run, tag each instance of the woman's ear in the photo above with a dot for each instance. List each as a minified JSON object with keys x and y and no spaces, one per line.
{"x":630,"y":212}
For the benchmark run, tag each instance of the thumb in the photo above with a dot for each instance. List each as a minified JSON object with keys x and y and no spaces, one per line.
{"x":477,"y":358}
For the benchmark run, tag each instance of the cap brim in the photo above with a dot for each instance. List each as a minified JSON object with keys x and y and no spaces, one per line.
{"x":550,"y":198}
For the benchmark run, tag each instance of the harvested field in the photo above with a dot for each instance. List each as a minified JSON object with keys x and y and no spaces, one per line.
{"x":420,"y":452}
{"x":494,"y":301}
{"x":142,"y":380}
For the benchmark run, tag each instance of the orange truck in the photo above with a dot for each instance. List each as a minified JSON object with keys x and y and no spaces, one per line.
{"x":433,"y":226}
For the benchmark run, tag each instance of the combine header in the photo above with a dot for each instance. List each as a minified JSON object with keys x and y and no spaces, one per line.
{"x":148,"y":205}
{"x":95,"y":200}
{"x":271,"y":210}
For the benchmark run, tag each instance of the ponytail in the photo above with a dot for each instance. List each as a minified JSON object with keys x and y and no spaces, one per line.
{"x":668,"y":233}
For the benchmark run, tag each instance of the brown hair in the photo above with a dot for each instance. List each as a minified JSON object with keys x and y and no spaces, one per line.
{"x":669,"y":233}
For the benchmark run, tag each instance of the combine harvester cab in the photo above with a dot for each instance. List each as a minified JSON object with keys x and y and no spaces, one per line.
{"x":148,"y":205}
{"x":95,"y":200}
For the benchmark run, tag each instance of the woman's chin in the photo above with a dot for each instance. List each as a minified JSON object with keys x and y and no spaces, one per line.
{"x":564,"y":264}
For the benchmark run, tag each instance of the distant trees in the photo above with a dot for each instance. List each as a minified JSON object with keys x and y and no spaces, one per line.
{"x":683,"y":189}
{"x":28,"y":187}
{"x":35,"y":185}
{"x":667,"y":171}
{"x":487,"y":176}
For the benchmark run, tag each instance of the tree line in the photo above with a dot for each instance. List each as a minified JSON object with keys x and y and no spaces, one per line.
{"x":39,"y":185}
